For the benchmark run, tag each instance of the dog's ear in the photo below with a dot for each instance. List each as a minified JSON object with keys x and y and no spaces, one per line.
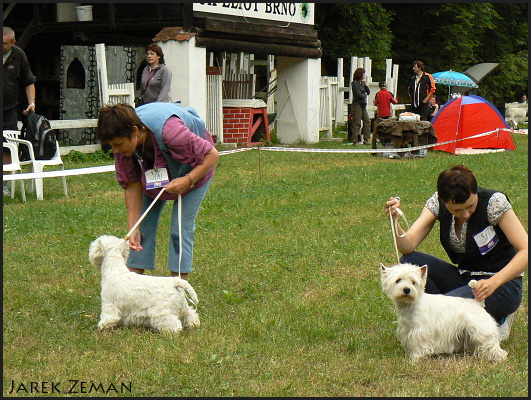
{"x":383,"y":269}
{"x":424,"y":272}
{"x":96,"y":253}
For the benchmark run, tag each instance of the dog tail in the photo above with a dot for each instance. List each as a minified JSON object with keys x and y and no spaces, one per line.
{"x":188,"y":289}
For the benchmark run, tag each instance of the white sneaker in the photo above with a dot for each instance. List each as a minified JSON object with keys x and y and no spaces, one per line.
{"x":505,"y":327}
{"x":6,"y":191}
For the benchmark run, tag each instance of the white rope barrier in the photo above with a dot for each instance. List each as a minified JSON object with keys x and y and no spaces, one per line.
{"x":83,"y":171}
{"x":108,"y":168}
{"x":65,"y":172}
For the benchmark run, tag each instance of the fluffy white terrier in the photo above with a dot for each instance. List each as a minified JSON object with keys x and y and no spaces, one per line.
{"x":133,"y":299}
{"x":431,"y":324}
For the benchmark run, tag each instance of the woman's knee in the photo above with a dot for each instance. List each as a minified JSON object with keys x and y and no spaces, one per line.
{"x":414,"y":257}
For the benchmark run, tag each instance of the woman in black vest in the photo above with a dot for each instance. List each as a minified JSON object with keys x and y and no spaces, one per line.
{"x":483,"y":238}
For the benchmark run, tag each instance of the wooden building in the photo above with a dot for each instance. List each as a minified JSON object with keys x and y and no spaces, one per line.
{"x":203,"y":32}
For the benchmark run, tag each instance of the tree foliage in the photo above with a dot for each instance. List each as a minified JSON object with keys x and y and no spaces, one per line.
{"x":353,"y":29}
{"x":444,"y":36}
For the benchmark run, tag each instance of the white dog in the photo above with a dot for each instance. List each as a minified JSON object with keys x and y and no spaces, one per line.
{"x":134,"y":299}
{"x":431,"y":324}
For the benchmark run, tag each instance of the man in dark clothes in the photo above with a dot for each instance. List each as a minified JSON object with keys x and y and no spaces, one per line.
{"x":421,"y":88}
{"x":17,"y":77}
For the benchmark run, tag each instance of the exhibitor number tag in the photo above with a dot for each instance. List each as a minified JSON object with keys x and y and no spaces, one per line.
{"x":486,"y":240}
{"x":156,"y":178}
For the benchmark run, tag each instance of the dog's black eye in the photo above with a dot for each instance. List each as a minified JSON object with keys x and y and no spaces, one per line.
{"x":413,"y":283}
{"x":398,"y":280}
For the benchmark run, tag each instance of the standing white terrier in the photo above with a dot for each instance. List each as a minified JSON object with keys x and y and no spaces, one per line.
{"x":135,"y":299}
{"x":431,"y":324}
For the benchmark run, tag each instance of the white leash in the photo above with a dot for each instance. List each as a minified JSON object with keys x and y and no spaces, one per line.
{"x":143,"y":215}
{"x":394,"y":227}
{"x":179,"y":215}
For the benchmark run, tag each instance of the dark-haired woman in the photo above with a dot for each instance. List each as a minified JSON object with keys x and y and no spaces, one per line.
{"x":156,"y":77}
{"x":483,"y":238}
{"x":360,"y":91}
{"x":155,"y":145}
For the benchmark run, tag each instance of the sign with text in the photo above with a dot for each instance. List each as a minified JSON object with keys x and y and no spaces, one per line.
{"x":298,"y":13}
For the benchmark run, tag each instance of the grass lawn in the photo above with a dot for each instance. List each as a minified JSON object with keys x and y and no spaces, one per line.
{"x":286,"y":269}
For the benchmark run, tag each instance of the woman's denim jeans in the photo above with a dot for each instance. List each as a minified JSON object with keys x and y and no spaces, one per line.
{"x":145,"y":258}
{"x":444,"y":278}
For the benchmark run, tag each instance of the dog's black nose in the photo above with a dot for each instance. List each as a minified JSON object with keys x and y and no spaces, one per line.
{"x":407,"y":290}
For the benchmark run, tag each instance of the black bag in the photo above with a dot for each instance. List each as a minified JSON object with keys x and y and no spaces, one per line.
{"x":139,"y":101}
{"x":37,"y":130}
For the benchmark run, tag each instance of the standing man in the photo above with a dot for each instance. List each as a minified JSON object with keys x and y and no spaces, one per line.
{"x":17,"y":77}
{"x":420,"y":90}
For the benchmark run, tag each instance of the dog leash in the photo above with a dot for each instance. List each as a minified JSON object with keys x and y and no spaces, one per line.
{"x":394,"y":227}
{"x":179,"y":215}
{"x":144,"y":215}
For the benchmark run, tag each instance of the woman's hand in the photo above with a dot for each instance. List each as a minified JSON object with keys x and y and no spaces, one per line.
{"x":178,"y":185}
{"x":485,"y":287}
{"x":394,"y":203}
{"x":134,"y":241}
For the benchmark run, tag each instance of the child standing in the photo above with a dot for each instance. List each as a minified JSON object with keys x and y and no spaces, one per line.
{"x":383,"y":100}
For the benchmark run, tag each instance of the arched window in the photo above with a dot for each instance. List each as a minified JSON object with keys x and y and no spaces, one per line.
{"x":75,"y":75}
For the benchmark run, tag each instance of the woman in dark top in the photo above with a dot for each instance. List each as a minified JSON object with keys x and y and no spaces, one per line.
{"x":483,"y":238}
{"x":360,"y":90}
{"x":156,"y":77}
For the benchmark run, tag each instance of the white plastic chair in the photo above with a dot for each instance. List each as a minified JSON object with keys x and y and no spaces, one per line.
{"x":37,"y":166}
{"x":14,"y":167}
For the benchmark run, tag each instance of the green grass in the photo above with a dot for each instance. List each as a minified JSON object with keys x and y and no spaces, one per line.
{"x":286,"y":268}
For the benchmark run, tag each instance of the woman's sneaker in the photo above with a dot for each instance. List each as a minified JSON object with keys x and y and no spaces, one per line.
{"x":505,"y":326}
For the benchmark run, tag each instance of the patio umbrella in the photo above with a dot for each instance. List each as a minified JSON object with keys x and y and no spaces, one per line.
{"x":453,"y":78}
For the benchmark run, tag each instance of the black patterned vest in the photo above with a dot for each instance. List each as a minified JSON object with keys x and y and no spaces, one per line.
{"x":487,"y":247}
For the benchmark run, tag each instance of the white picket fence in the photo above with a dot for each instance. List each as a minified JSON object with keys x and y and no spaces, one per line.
{"x":113,"y":93}
{"x":330,"y":98}
{"x":214,"y":117}
{"x":121,"y":93}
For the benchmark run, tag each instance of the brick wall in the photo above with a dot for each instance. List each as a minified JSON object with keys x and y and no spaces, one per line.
{"x":238,"y":123}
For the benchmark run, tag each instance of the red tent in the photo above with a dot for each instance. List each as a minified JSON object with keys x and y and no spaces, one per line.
{"x":468,"y":116}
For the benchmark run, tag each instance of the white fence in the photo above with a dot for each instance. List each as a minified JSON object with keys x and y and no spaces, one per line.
{"x":333,"y":107}
{"x":328,"y":103}
{"x":114,"y":93}
{"x":214,"y":117}
{"x":121,"y":93}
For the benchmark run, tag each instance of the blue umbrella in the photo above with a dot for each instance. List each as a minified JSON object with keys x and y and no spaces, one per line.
{"x":453,"y":78}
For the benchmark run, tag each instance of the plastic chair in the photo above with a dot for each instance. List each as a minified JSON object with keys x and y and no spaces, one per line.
{"x":37,"y":166}
{"x":14,"y":167}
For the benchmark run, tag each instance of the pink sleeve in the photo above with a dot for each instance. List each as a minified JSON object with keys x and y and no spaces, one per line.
{"x":184,"y":145}
{"x":127,"y":169}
